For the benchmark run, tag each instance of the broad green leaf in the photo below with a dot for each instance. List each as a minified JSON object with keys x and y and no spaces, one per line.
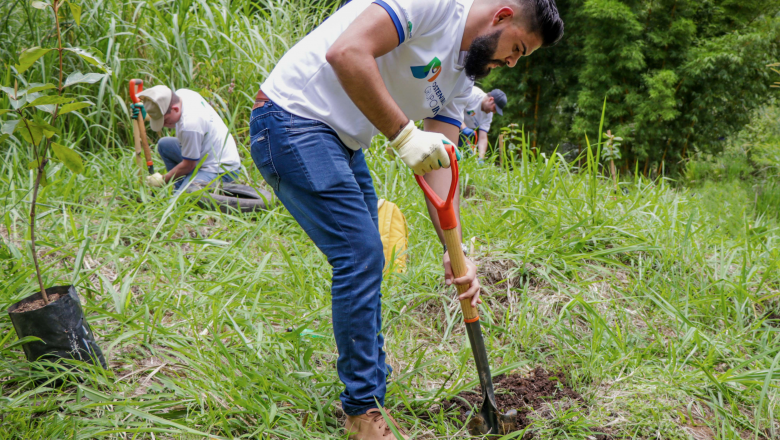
{"x":51,"y":99}
{"x":47,"y":129}
{"x":89,"y":58}
{"x":34,"y":131}
{"x":39,"y":88}
{"x":29,"y":56}
{"x":74,"y":106}
{"x":39,"y":5}
{"x":33,"y":164}
{"x":48,"y":108}
{"x":4,"y":137}
{"x":70,"y":158}
{"x":18,"y":103}
{"x":30,"y":132}
{"x":78,"y":77}
{"x":76,"y":11}
{"x":8,"y":91}
{"x":9,"y":126}
{"x":4,"y":110}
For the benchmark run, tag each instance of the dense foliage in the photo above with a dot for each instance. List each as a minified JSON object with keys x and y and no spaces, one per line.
{"x":677,"y":75}
{"x":222,"y":49}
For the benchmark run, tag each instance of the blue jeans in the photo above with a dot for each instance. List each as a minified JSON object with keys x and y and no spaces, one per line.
{"x":170,"y":152}
{"x":328,"y":190}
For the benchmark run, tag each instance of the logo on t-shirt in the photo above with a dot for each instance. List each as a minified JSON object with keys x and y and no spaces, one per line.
{"x":421,"y":72}
{"x":470,"y":112}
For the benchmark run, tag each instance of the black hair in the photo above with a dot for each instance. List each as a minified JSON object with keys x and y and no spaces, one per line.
{"x":542,"y":18}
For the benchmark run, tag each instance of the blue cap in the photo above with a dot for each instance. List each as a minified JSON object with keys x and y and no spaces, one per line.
{"x":499,"y":97}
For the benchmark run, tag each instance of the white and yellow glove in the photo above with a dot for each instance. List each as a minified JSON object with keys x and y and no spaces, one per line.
{"x":422,"y":151}
{"x":156,"y":180}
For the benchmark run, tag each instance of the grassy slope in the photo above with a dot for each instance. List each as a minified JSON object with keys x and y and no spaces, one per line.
{"x":652,"y":309}
{"x":652,"y":301}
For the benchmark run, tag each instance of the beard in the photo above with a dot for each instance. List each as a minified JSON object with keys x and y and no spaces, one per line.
{"x":481,"y":53}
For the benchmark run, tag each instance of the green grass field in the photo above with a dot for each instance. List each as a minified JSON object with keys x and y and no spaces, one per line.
{"x":656,"y":313}
{"x":658,"y":303}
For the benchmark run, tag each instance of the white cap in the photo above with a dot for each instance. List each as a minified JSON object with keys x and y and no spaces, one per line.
{"x":156,"y":100}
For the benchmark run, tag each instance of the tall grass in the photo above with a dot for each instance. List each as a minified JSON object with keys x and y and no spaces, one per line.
{"x":662,"y":318}
{"x":221,"y":48}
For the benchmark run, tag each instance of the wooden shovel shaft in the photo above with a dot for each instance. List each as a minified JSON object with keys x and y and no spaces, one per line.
{"x":145,"y":144}
{"x":138,"y":152}
{"x":459,"y":269}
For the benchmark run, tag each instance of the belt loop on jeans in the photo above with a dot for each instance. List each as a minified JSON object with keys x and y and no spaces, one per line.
{"x":260,"y":99}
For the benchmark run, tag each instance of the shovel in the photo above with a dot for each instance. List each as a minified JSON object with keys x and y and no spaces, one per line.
{"x":489,"y":421}
{"x":139,"y":131}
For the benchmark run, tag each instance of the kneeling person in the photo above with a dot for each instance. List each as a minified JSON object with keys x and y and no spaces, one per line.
{"x":479,"y":115}
{"x":201,"y":135}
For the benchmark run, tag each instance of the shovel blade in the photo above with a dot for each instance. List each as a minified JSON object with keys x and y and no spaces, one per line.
{"x":502,"y":424}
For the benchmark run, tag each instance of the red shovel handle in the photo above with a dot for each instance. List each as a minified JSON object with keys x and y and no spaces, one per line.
{"x":133,"y":84}
{"x":447,"y":218}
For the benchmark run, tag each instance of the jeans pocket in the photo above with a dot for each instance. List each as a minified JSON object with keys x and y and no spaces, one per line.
{"x":260,"y":149}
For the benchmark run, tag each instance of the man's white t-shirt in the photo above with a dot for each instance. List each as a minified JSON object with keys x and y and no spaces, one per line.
{"x":424,"y":74}
{"x":473,"y":116}
{"x":202,"y":133}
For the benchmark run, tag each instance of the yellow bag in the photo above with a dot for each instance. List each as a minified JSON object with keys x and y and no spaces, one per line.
{"x":392,"y":229}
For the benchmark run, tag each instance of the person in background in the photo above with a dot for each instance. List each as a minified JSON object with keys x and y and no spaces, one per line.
{"x":478,"y":116}
{"x":201,"y":138}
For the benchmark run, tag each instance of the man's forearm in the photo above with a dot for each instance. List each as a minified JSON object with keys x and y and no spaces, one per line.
{"x":180,"y":170}
{"x":482,"y":143}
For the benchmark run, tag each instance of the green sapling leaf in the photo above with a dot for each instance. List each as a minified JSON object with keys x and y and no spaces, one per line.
{"x":9,"y":126}
{"x":89,"y":58}
{"x":74,"y":106}
{"x":51,"y":99}
{"x":4,"y":111}
{"x":70,"y":158}
{"x":39,"y":88}
{"x":8,"y":91}
{"x":78,"y":77}
{"x":47,"y":129}
{"x":30,"y":56}
{"x":33,"y":164}
{"x":30,"y":132}
{"x":16,"y":104}
{"x":39,"y":5}
{"x":76,"y":11}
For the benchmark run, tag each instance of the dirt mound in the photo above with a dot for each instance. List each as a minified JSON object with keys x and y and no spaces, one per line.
{"x":526,"y":394}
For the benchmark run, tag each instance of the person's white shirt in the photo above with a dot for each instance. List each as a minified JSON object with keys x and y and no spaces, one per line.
{"x":424,"y":74}
{"x":473,"y":116}
{"x":203,"y":134}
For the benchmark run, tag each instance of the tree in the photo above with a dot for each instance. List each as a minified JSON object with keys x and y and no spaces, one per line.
{"x":36,"y":115}
{"x":677,"y":75}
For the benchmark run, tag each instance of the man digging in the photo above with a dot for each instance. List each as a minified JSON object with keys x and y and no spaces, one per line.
{"x":375,"y":67}
{"x":478,"y":116}
{"x":201,"y":135}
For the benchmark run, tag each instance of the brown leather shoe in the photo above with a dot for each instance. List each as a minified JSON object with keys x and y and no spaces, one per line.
{"x":372,"y":426}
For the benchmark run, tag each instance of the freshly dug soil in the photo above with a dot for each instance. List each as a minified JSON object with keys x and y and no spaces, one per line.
{"x":37,"y":304}
{"x":524,"y":394}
